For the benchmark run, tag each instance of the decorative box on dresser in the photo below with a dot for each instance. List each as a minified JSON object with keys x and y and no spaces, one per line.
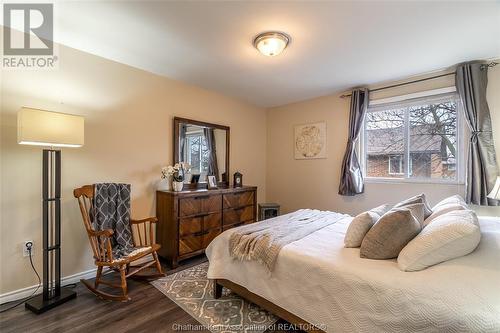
{"x":190,"y":220}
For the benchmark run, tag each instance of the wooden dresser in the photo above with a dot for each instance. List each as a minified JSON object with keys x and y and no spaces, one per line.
{"x":190,"y":220}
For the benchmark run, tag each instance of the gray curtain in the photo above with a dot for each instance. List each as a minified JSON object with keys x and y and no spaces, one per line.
{"x":351,"y":179}
{"x":182,"y":140}
{"x":471,"y":82}
{"x":213,"y":167}
{"x":482,"y":169}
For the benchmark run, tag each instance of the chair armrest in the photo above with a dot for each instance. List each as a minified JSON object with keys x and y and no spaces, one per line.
{"x":102,"y":244}
{"x":149,"y":219}
{"x":105,"y":232}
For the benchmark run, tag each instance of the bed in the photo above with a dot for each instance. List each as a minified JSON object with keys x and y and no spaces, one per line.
{"x":318,"y":281}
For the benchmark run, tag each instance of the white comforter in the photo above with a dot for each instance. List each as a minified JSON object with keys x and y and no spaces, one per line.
{"x":322,"y":282}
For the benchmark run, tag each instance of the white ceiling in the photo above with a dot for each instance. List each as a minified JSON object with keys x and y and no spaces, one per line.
{"x":335,"y":45}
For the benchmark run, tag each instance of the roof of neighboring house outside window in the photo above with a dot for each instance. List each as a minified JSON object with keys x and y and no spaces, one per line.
{"x":388,"y":141}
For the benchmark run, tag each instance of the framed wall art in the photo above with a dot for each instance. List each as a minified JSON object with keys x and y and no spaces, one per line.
{"x":310,"y":141}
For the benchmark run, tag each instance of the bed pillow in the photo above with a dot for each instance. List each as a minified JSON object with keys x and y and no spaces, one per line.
{"x":455,"y":202}
{"x":392,"y":232}
{"x":361,"y":224}
{"x":449,"y":236}
{"x":417,"y":199}
{"x":444,"y":209}
{"x":454,"y":199}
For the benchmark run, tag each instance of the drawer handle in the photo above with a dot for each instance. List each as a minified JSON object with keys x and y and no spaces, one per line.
{"x":201,"y":197}
{"x":202,"y":215}
{"x":201,"y":233}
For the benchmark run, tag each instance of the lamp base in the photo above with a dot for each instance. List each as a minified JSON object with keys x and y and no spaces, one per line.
{"x":38,"y":305}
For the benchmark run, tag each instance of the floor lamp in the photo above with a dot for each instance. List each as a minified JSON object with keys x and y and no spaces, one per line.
{"x":54,"y":130}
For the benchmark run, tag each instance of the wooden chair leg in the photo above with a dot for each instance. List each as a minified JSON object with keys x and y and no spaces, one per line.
{"x":158,"y":265}
{"x":123,"y":277}
{"x":98,"y":276}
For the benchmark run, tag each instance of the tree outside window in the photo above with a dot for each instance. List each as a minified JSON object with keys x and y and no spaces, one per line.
{"x":416,"y":140}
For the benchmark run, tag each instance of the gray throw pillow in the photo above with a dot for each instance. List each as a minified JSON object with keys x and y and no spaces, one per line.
{"x":416,"y":199}
{"x":361,"y":224}
{"x":392,"y":232}
{"x":417,"y":210}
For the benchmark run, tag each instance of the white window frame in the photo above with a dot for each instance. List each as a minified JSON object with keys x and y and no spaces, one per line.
{"x":416,"y":99}
{"x":400,"y":165}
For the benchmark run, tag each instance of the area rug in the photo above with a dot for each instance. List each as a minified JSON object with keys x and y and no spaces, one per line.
{"x":193,"y":292}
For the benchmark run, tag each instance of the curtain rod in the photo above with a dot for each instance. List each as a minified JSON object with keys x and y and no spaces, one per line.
{"x":491,"y":64}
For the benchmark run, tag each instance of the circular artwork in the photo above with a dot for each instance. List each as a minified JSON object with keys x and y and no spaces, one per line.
{"x":309,"y":141}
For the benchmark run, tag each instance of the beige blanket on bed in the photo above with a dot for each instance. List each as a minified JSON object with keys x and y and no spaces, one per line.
{"x":263,"y":241}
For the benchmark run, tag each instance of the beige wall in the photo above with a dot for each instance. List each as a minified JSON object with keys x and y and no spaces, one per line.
{"x":314,"y":183}
{"x":128,"y":137}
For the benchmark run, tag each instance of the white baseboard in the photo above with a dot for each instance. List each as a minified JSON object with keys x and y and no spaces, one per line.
{"x":25,"y":292}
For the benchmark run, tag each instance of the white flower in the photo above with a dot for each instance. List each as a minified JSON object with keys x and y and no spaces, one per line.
{"x":168,"y":171}
{"x":185,"y":166}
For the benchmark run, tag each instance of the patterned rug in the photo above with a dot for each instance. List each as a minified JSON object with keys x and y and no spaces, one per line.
{"x":192,"y":291}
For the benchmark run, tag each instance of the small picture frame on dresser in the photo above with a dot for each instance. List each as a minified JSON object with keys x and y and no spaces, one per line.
{"x":212,"y":182}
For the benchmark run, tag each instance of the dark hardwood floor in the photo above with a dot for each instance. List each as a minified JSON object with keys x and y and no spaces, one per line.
{"x":148,"y":311}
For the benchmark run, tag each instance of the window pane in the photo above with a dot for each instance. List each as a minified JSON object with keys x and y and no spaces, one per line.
{"x":433,"y":140}
{"x":198,"y":154}
{"x":384,"y":131}
{"x":194,"y":153}
{"x":205,"y":154}
{"x":396,"y":164}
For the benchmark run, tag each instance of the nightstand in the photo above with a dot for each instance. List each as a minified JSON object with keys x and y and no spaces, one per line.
{"x":268,"y":210}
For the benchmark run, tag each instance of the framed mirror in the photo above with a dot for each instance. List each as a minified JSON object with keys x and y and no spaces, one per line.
{"x":205,"y":147}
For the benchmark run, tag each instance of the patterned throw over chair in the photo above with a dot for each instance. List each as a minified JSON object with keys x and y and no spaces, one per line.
{"x":116,"y":239}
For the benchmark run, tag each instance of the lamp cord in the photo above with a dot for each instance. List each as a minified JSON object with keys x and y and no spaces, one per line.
{"x":70,"y":285}
{"x":34,"y":292}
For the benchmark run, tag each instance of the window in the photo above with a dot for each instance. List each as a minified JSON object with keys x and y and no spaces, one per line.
{"x":413,"y":140}
{"x":196,"y":152}
{"x":396,"y":165}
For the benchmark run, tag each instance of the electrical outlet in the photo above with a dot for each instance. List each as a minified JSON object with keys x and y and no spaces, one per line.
{"x":26,"y":245}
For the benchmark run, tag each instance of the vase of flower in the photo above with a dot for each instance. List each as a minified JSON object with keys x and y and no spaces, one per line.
{"x":177,"y":173}
{"x":165,"y":179}
{"x":177,"y":186}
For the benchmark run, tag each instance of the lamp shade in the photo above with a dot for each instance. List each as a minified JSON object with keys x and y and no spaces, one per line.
{"x":46,"y":128}
{"x":495,"y":193}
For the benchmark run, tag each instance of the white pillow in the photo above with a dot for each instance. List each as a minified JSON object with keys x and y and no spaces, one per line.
{"x":443,"y":209}
{"x":454,"y":199}
{"x":449,"y":236}
{"x":361,"y":224}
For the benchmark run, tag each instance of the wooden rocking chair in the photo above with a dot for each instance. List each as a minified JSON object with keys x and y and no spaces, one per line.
{"x":100,"y":241}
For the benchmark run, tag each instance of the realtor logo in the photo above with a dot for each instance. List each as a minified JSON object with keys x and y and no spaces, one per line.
{"x":28,"y":36}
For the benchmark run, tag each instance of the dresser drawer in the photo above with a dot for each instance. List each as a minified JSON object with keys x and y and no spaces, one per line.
{"x":239,"y":199}
{"x":207,"y":238}
{"x":196,"y":224}
{"x":199,"y":204}
{"x":237,"y":215}
{"x":190,"y":225}
{"x":212,"y":221}
{"x":190,"y":244}
{"x":196,"y":242}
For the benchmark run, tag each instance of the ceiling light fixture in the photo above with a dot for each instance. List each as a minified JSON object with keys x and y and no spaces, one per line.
{"x":271,"y":43}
